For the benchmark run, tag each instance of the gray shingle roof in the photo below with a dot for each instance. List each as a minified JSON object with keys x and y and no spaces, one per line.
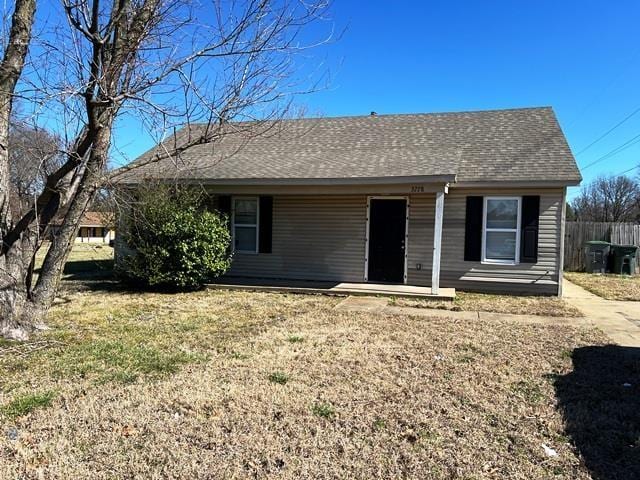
{"x":518,"y":145}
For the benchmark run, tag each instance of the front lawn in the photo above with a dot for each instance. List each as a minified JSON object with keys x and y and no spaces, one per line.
{"x":219,"y":384}
{"x":87,"y":261}
{"x":512,"y":304}
{"x":609,"y":286}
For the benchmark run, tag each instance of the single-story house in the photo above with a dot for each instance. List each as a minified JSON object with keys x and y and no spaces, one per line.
{"x":469,"y":200}
{"x":95,"y":227}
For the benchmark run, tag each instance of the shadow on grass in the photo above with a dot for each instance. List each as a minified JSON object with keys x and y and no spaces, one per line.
{"x":600,"y":402}
{"x":115,"y":283}
{"x":89,"y":269}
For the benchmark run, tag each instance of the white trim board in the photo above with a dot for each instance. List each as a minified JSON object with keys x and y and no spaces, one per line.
{"x":437,"y":243}
{"x":563,"y":226}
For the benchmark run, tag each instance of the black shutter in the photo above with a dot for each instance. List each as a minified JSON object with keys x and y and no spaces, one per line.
{"x":529,"y":229}
{"x":265,"y":224}
{"x":473,"y":229}
{"x":224,"y":205}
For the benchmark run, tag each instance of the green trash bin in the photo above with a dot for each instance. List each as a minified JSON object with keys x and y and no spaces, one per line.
{"x":624,"y":259}
{"x":596,"y":256}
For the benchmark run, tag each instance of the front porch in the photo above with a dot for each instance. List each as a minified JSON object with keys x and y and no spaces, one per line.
{"x":334,"y":232}
{"x":332,"y":288}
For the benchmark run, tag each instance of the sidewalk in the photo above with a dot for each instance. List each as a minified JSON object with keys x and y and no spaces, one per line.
{"x":619,"y":320}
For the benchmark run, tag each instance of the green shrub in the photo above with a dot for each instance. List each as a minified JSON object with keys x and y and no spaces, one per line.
{"x":178,"y":244}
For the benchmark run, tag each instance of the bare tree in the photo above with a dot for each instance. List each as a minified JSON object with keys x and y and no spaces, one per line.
{"x":165,"y":62}
{"x":33,"y":155}
{"x":609,"y":199}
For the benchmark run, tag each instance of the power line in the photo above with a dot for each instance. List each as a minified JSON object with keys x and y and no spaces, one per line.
{"x":620,"y":148}
{"x":627,"y":171}
{"x":596,"y":98}
{"x":609,"y":131}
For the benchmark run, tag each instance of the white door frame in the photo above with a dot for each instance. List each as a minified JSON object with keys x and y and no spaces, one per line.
{"x":406,"y":232}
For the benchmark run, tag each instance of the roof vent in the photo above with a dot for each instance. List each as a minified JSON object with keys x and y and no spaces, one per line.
{"x":373,"y":114}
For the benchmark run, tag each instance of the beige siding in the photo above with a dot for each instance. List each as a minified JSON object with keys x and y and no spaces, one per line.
{"x":420,"y":251}
{"x":315,"y":238}
{"x":322,"y":237}
{"x":121,"y":250}
{"x":540,"y":277}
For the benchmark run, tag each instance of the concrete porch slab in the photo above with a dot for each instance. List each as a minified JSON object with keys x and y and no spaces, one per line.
{"x":331,"y":288}
{"x":395,"y":290}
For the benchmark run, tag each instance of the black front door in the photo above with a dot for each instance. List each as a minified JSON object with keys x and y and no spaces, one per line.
{"x":387,"y":229}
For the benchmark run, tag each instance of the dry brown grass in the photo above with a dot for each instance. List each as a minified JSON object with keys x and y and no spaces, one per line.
{"x":251,"y":385}
{"x":482,"y":302}
{"x":86,"y":261}
{"x":611,"y":287}
{"x":83,"y":252}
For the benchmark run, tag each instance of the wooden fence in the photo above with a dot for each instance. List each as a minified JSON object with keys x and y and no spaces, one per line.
{"x":577,"y":233}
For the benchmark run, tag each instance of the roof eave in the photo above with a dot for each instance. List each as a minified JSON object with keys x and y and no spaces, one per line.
{"x":389,"y":180}
{"x":533,"y":183}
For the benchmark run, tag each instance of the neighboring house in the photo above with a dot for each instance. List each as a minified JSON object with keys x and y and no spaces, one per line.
{"x":471,"y":200}
{"x":95,"y":227}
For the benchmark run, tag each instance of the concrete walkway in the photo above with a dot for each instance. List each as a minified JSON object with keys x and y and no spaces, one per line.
{"x":331,"y":288}
{"x":381,"y":305}
{"x":619,"y":320}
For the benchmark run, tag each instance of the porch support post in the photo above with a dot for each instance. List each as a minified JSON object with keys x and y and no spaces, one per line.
{"x":437,"y":243}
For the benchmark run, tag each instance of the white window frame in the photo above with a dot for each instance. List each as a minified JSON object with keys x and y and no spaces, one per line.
{"x":517,"y":231}
{"x":256,"y":225}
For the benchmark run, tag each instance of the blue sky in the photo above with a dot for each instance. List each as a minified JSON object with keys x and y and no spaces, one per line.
{"x":582,"y":58}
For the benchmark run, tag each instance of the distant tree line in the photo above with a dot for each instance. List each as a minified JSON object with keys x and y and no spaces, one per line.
{"x":607,"y":199}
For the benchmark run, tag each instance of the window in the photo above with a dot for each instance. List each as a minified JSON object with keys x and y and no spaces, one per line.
{"x":245,"y":224}
{"x":501,"y":230}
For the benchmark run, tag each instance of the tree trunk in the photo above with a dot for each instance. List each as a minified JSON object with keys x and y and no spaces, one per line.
{"x":52,"y":267}
{"x":107,"y":60}
{"x":20,"y":316}
{"x":16,"y":312}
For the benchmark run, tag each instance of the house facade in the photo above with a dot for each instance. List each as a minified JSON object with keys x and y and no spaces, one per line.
{"x":95,"y":227}
{"x":471,"y":200}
